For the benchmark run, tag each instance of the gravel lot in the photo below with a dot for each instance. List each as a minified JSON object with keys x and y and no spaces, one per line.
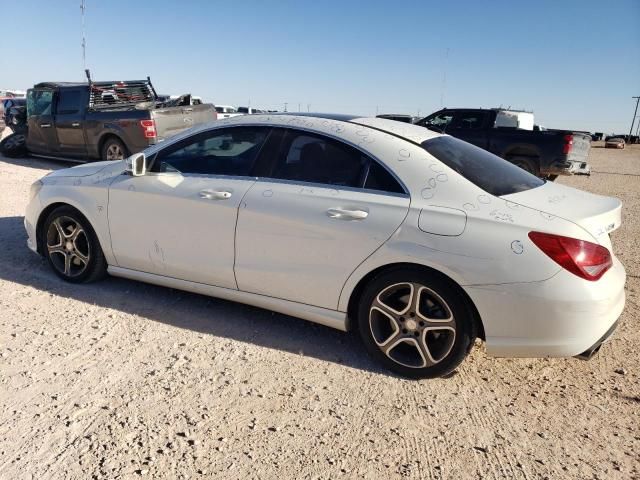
{"x":119,"y":379}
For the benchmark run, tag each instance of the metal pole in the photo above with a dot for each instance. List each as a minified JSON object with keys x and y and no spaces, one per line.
{"x":84,"y":41}
{"x":634,"y":119}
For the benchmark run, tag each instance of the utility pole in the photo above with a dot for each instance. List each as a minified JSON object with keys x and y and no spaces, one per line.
{"x":308,"y":107}
{"x":634,"y":118}
{"x":84,"y":41}
{"x":285,"y":106}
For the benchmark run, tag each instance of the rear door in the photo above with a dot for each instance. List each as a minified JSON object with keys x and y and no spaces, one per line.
{"x":321,"y":209}
{"x":42,"y":137}
{"x":69,"y":121}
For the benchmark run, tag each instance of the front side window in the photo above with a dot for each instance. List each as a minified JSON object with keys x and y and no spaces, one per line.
{"x":439,"y":120}
{"x":488,"y":171}
{"x":69,"y":101}
{"x":232,"y":151}
{"x":39,"y":102}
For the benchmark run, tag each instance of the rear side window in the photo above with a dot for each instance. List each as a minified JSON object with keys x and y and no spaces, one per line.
{"x":488,"y":171}
{"x":307,"y":157}
{"x":468,"y":120}
{"x":315,"y":159}
{"x":69,"y":101}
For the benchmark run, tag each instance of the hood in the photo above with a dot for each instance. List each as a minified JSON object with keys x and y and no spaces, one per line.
{"x":87,"y":169}
{"x":596,"y":214}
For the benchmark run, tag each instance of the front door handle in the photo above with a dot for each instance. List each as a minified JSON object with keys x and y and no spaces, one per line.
{"x":215,"y":195}
{"x":75,"y":124}
{"x":345,"y":214}
{"x":45,"y":125}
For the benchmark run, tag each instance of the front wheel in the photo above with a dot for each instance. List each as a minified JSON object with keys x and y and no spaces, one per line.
{"x":71,"y":246}
{"x":416,"y":324}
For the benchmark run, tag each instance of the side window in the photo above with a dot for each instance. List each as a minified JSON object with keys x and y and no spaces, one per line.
{"x":306,"y":157}
{"x":468,"y":120}
{"x":69,"y":102}
{"x":39,"y":102}
{"x":440,"y":120}
{"x":378,"y":178}
{"x":232,"y":151}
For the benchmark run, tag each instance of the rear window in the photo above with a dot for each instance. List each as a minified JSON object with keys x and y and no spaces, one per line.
{"x":488,"y":171}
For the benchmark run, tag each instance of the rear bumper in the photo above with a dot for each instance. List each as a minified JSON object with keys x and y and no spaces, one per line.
{"x":567,"y":167}
{"x":591,"y":351}
{"x":563,"y":316}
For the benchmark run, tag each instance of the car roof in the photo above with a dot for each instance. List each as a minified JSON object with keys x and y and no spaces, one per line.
{"x":406,"y":131}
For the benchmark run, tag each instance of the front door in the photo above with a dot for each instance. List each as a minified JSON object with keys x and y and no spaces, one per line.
{"x":179,"y":219}
{"x":42,"y":137}
{"x":325,"y":208}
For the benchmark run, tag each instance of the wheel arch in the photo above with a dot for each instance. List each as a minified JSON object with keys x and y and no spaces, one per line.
{"x":358,"y":290}
{"x":47,"y":211}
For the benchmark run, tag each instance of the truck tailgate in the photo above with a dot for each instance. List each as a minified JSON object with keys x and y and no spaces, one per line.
{"x":580,"y":148}
{"x":172,"y":120}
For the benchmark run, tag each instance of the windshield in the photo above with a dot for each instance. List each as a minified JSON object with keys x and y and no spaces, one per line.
{"x":488,"y":171}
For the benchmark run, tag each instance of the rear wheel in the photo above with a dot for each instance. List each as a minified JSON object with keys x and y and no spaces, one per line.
{"x":113,"y":149}
{"x":526,"y":164}
{"x":416,"y":325}
{"x":71,"y":246}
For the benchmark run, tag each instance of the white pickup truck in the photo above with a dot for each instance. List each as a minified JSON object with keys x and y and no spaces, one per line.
{"x":227,"y":111}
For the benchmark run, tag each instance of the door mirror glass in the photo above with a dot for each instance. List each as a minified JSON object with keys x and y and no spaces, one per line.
{"x":137,"y":165}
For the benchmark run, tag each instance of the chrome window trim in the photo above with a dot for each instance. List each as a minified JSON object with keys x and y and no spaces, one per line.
{"x":209,"y":128}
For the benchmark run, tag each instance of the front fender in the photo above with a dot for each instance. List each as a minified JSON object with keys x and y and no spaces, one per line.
{"x":89,"y":196}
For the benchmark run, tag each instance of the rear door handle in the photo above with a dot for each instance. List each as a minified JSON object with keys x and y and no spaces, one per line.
{"x":188,"y":110}
{"x":75,"y":124}
{"x":45,"y":125}
{"x":215,"y":194}
{"x":345,"y":214}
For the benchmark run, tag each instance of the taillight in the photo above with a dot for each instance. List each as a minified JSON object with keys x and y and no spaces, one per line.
{"x":149,"y":128}
{"x":568,"y":144}
{"x":584,"y":259}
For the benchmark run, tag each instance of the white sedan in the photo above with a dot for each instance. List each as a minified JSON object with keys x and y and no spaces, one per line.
{"x":419,"y":241}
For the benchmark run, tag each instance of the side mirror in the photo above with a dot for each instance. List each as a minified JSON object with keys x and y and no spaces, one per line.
{"x":137,"y":165}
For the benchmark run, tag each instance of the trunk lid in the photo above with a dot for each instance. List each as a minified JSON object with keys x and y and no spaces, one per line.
{"x":596,"y":214}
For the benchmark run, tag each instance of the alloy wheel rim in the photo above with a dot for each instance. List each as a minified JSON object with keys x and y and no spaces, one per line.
{"x":114,"y":152}
{"x":412,"y":325}
{"x":68,"y":246}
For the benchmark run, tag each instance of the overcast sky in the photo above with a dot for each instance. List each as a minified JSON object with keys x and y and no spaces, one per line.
{"x":576,"y":64}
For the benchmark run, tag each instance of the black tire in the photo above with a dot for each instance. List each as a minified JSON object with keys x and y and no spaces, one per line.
{"x":528,"y":164}
{"x":14,"y":145}
{"x":84,"y":244}
{"x":110,"y":147}
{"x":444,"y":357}
{"x":551,"y":178}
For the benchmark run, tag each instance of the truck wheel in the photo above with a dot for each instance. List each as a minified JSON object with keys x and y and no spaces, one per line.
{"x":526,"y":164}
{"x":14,"y":145}
{"x":113,"y":149}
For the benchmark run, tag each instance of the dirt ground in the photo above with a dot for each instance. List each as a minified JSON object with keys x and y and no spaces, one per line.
{"x":120,"y":379}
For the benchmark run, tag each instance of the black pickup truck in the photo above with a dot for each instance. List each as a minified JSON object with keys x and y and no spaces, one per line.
{"x":104,"y":120}
{"x":546,"y":154}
